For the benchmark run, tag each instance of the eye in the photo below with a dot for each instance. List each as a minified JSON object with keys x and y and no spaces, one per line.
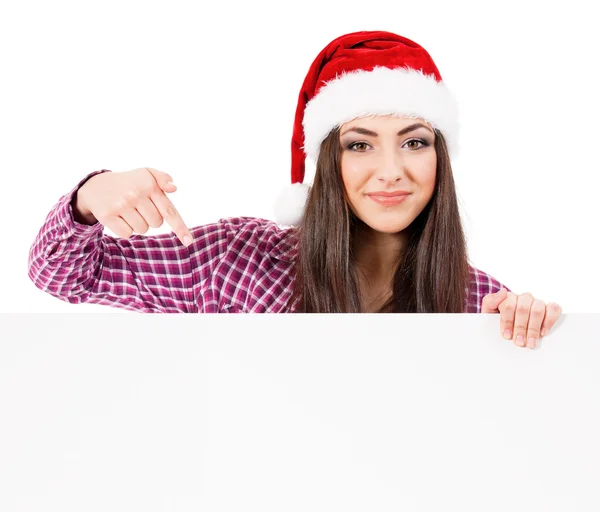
{"x":417,"y":143}
{"x":354,"y":146}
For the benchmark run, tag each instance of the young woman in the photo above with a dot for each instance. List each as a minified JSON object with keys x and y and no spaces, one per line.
{"x":378,"y":231}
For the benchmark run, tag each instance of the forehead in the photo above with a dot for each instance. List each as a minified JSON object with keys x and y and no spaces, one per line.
{"x":383,"y":122}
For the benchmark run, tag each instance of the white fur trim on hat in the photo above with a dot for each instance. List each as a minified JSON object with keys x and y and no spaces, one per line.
{"x":382,"y":91}
{"x":289,"y":206}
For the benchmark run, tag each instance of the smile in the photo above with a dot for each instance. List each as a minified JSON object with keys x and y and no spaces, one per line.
{"x":388,"y":200}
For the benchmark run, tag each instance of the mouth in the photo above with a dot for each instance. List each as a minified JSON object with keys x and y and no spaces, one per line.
{"x":390,"y":198}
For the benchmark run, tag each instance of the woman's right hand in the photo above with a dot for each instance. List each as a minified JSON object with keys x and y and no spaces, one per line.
{"x":130,"y":202}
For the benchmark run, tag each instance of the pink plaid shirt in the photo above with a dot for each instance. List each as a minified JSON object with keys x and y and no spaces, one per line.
{"x":235,"y":265}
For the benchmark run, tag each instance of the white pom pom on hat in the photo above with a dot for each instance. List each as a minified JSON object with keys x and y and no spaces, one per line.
{"x":363,"y":74}
{"x":289,"y":206}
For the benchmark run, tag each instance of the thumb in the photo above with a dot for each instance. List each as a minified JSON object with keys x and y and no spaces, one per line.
{"x":490,"y":302}
{"x":164,"y":180}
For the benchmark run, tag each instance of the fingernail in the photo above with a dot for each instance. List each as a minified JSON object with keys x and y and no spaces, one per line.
{"x":507,"y":334}
{"x":520,"y":341}
{"x":187,"y":240}
{"x":544,"y":331}
{"x":531,"y":343}
{"x":171,"y":183}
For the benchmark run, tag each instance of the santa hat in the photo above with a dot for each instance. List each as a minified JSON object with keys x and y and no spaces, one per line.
{"x":360,"y":75}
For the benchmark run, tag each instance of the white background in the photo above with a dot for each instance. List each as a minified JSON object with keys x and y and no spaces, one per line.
{"x":178,"y":413}
{"x":207,"y":91}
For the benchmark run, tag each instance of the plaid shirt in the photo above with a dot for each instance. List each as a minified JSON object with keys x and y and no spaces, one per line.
{"x":235,"y":265}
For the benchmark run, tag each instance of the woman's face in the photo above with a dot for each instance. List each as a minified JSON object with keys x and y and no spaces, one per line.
{"x":382,"y":156}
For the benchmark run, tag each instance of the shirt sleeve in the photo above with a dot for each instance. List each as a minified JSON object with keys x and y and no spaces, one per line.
{"x":481,"y":284}
{"x":152,"y":274}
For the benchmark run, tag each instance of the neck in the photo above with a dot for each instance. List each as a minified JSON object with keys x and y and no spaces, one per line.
{"x":377,"y":255}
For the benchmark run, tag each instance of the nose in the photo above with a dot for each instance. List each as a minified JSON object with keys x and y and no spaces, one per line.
{"x":390,"y":166}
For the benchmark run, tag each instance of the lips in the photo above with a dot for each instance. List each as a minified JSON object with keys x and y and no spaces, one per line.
{"x":389,"y":194}
{"x":388,"y":198}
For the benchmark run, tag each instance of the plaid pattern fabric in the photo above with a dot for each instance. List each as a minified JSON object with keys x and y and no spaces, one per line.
{"x":235,"y":265}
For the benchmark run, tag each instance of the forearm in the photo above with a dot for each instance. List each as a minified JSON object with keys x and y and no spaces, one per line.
{"x":65,"y":254}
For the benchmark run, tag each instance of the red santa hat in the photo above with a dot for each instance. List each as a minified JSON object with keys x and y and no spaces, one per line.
{"x":361,"y":75}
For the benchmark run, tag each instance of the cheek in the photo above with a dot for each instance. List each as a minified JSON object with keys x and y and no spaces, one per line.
{"x":430,"y":181}
{"x":427,"y":174}
{"x":354,"y":174}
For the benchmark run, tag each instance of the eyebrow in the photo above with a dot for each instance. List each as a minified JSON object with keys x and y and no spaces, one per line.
{"x":364,"y":131}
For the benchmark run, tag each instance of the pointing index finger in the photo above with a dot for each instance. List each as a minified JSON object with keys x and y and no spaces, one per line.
{"x":171,"y":215}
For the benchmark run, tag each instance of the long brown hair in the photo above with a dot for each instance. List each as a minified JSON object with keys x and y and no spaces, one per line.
{"x":432,"y":275}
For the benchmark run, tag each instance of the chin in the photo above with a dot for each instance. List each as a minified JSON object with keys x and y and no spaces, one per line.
{"x":386,"y":226}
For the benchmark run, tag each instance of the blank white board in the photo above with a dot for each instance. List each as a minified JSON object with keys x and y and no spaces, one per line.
{"x":296,"y":412}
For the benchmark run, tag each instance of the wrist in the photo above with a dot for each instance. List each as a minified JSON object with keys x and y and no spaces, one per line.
{"x":81,"y":213}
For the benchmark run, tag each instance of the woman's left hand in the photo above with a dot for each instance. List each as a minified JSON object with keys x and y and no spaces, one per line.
{"x":522,"y":317}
